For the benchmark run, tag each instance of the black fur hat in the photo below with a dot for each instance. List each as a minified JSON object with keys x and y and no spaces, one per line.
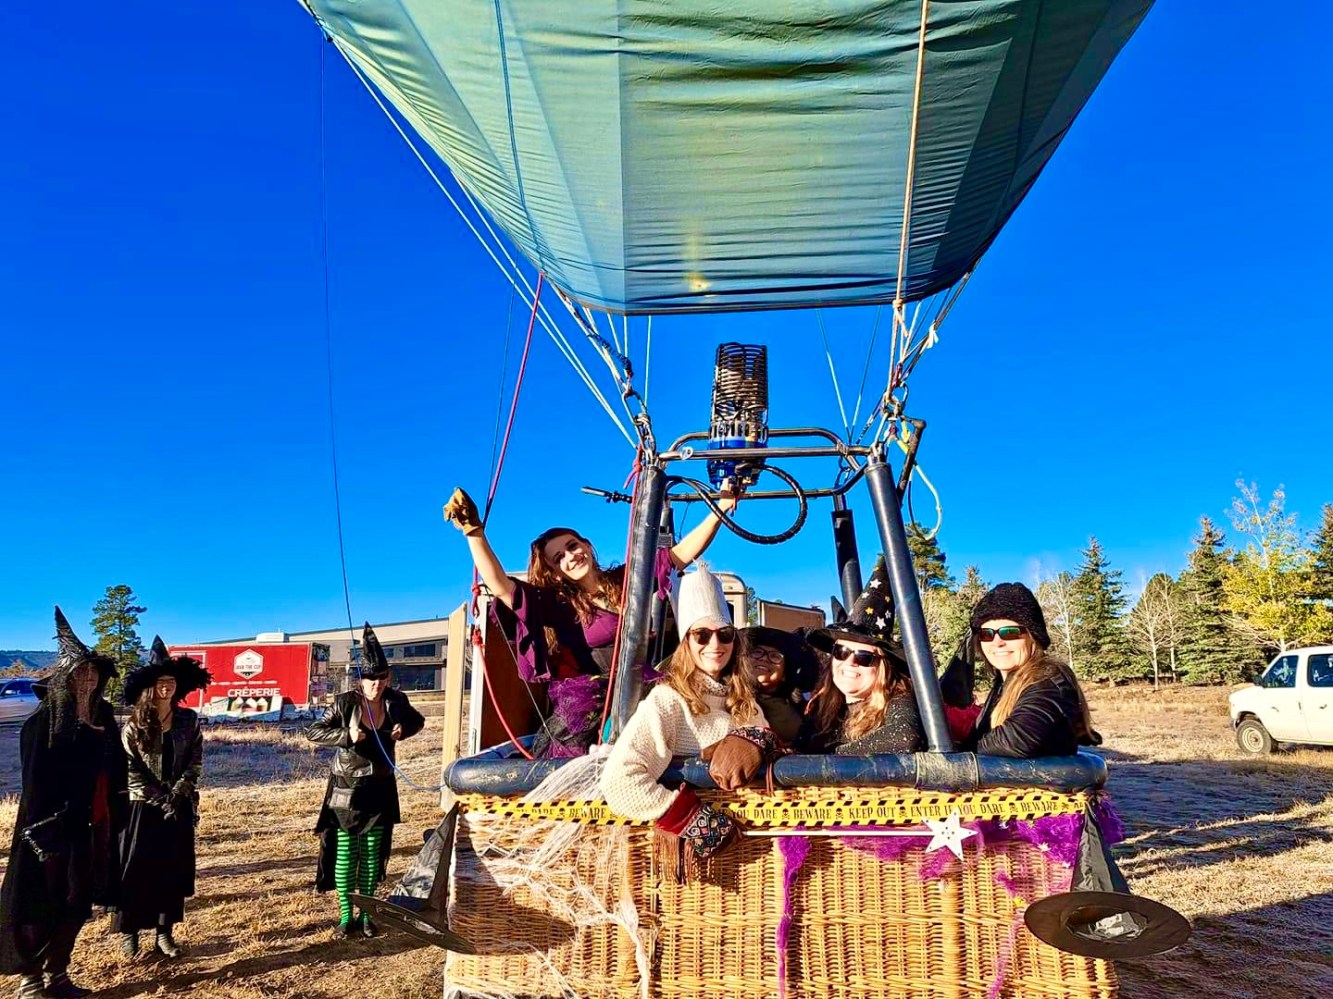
{"x":188,"y":673}
{"x":1013,"y":602}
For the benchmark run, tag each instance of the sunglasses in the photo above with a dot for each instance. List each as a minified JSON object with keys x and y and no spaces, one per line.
{"x":703,"y":636}
{"x":1009,"y":632}
{"x":859,"y":657}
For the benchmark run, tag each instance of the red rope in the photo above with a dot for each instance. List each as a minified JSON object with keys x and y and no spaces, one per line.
{"x":477,"y":645}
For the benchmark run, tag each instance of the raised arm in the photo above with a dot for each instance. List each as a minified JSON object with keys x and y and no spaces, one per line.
{"x":462,"y":513}
{"x":697,"y":541}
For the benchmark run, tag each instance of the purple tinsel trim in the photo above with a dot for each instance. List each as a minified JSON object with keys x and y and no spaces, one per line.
{"x":794,"y":850}
{"x":577,"y":702}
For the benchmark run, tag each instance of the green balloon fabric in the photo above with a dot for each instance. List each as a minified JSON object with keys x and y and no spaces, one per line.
{"x":660,"y":156}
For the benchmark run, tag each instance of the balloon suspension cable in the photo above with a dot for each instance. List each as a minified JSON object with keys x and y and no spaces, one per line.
{"x":833,"y":374}
{"x":495,"y":248}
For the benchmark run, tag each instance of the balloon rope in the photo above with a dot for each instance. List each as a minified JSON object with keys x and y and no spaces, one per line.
{"x":911,"y":157}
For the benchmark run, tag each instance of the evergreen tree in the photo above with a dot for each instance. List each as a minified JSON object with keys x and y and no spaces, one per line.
{"x":1100,"y":599}
{"x":928,"y":559}
{"x":1321,"y":558}
{"x":1209,"y":650}
{"x":115,"y":620}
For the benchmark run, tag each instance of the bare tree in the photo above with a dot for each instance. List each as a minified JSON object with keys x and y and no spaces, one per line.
{"x":1058,"y":596}
{"x":1151,"y":623}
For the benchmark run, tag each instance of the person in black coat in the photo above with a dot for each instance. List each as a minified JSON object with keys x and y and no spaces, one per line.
{"x":1035,"y":707}
{"x":785,"y":668}
{"x":164,"y":747}
{"x":355,"y":825}
{"x":864,"y":703}
{"x":62,"y":860}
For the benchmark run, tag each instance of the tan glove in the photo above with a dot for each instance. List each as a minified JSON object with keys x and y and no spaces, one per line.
{"x":463,"y":513}
{"x":735,"y":761}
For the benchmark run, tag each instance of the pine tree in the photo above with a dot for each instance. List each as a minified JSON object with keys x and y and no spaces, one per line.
{"x":1210,"y":651}
{"x":928,"y":559}
{"x":1100,"y":598}
{"x":115,"y":618}
{"x":1321,"y":558}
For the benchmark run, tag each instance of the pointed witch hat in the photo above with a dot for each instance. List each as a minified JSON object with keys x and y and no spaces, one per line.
{"x":56,"y":689}
{"x":1100,"y":917}
{"x":188,"y":673}
{"x":374,"y":663}
{"x":870,"y":620}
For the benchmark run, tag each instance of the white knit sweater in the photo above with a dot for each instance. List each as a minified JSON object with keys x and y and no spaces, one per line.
{"x":662,"y":727}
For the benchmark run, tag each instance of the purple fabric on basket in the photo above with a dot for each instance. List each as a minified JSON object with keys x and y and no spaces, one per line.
{"x":578,"y":701}
{"x":794,"y":850}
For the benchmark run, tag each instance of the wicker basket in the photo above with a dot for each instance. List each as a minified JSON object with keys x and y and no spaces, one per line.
{"x":861,"y":926}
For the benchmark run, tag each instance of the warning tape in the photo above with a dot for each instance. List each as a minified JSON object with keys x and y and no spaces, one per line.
{"x":768,"y":812}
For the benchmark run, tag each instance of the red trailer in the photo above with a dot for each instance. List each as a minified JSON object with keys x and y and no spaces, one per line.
{"x":258,"y":679}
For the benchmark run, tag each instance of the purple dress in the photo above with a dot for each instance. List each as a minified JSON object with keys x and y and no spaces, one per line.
{"x":576,"y":667}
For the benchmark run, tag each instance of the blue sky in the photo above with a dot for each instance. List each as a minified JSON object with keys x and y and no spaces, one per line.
{"x":1149,"y":327}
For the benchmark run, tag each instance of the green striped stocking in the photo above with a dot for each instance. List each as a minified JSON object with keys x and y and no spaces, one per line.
{"x":372,"y":841}
{"x":344,"y":873}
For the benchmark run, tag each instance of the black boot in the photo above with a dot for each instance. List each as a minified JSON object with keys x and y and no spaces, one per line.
{"x":368,"y":927}
{"x":31,"y":987}
{"x":129,"y":944}
{"x":58,"y":986}
{"x":344,"y":931}
{"x":166,"y":945}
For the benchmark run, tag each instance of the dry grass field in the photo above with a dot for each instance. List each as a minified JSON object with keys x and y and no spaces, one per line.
{"x":1243,"y":847}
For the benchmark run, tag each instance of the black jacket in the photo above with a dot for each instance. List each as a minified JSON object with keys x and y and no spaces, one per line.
{"x":1044,"y":722}
{"x":899,"y":732}
{"x":80,"y":779}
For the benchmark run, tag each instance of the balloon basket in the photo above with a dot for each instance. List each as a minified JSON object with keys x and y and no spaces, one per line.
{"x":834,"y":893}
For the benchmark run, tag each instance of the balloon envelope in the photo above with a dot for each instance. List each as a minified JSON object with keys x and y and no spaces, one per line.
{"x":656,"y":156}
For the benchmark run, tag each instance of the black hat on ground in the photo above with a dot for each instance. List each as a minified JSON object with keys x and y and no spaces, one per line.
{"x":374,"y":663}
{"x":188,"y":673}
{"x":870,"y":620}
{"x":801,"y":665}
{"x":1013,"y":602}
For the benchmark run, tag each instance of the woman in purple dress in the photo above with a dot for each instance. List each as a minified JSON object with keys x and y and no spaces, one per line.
{"x":562,"y":620}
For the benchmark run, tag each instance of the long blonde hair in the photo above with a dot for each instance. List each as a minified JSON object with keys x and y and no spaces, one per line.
{"x":739,"y":680}
{"x":1036,"y":667}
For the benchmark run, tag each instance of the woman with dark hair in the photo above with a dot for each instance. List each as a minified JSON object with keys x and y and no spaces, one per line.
{"x":62,"y":860}
{"x":360,"y":808}
{"x":864,"y":703}
{"x":1035,"y":707}
{"x":705,"y":705}
{"x":562,"y":620}
{"x":164,"y":746}
{"x":784,"y":668}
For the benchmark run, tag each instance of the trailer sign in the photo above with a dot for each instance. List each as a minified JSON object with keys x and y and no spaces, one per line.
{"x":259,"y":681}
{"x":249,"y":664}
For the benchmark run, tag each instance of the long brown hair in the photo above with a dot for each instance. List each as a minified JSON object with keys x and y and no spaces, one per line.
{"x":739,"y":680}
{"x":542,"y":573}
{"x":1036,"y":667}
{"x":145,"y":727}
{"x":828,"y":705}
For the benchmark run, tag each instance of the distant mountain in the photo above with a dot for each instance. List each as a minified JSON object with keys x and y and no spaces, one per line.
{"x":25,"y":659}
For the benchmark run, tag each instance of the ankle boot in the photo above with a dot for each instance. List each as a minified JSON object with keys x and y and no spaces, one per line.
{"x":129,"y":944}
{"x":30,"y":987}
{"x":58,"y":986}
{"x":166,"y":945}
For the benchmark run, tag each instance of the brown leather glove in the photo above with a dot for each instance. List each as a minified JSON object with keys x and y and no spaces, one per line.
{"x":463,"y":512}
{"x":735,"y":760}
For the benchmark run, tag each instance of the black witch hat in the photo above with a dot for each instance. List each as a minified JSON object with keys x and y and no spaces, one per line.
{"x":374,"y":663}
{"x":802,"y":665}
{"x":870,"y":619}
{"x":1099,"y":917}
{"x":56,"y":690}
{"x":188,"y":673}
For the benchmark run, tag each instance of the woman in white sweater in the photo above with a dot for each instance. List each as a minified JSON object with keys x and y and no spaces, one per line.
{"x":704,"y":705}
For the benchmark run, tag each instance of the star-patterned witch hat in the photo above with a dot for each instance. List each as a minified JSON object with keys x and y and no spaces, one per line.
{"x":870,"y":619}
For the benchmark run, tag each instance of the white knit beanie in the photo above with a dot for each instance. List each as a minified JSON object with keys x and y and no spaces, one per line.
{"x":701,"y":601}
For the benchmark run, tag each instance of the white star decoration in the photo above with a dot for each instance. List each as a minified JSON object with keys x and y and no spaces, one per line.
{"x":882,"y":621}
{"x":948,"y":833}
{"x":874,"y":585}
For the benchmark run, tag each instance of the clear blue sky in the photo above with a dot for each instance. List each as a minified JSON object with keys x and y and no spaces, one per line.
{"x":1152,"y":324}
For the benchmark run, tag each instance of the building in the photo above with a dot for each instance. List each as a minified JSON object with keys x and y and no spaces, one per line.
{"x":416,"y":649}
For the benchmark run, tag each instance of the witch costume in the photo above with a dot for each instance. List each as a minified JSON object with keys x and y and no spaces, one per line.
{"x":360,"y":809}
{"x":870,"y":621}
{"x":62,"y":860}
{"x":157,"y":851}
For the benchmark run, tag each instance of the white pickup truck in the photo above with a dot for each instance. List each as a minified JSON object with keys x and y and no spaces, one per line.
{"x":1291,"y":702}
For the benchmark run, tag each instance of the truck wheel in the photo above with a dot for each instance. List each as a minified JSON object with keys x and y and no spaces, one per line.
{"x":1253,"y":738}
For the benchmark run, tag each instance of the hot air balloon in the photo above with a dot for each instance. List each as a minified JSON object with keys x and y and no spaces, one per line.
{"x":656,"y":157}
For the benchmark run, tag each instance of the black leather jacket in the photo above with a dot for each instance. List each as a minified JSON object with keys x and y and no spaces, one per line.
{"x":1043,"y":723}
{"x":371,"y":755}
{"x":187,"y":752}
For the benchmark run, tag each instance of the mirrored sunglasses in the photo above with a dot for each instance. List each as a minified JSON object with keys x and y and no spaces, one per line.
{"x":1009,"y":632}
